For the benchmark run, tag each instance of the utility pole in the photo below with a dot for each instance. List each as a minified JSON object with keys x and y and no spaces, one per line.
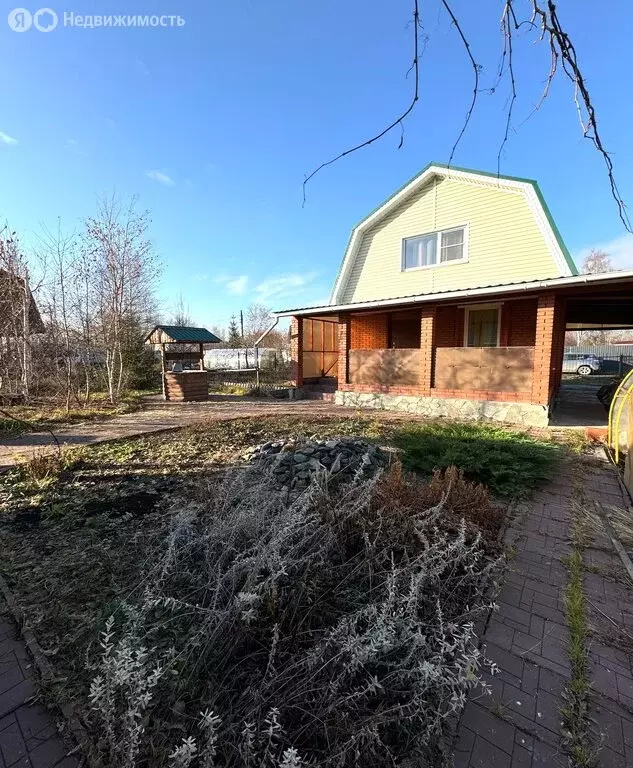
{"x":242,"y":331}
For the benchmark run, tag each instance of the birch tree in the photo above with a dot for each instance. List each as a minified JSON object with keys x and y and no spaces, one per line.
{"x":123,"y":270}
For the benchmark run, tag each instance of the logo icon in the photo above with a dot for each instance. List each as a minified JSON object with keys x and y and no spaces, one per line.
{"x":20,"y":20}
{"x":45,"y":19}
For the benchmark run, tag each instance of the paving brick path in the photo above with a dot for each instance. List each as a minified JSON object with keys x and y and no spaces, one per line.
{"x":28,"y":736}
{"x":519,"y":726}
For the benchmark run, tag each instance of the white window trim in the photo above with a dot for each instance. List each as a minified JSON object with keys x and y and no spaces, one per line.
{"x":438,"y":249}
{"x":475,"y":307}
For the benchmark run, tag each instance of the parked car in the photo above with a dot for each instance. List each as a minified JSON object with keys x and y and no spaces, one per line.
{"x":585,"y":365}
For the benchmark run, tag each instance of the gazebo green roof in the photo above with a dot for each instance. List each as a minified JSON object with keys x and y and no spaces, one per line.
{"x":181,"y":334}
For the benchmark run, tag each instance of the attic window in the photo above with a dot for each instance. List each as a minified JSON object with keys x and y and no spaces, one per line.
{"x":423,"y":251}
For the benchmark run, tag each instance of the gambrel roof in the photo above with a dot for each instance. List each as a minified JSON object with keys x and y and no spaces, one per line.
{"x":527,"y":187}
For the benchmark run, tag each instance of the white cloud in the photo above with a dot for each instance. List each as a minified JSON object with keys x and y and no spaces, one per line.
{"x":234,"y":284}
{"x":284,"y":285}
{"x":8,"y":140}
{"x":237,"y":285}
{"x":160,"y":177}
{"x":620,"y":249}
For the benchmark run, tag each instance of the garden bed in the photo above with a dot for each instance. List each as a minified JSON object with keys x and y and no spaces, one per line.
{"x":85,"y":539}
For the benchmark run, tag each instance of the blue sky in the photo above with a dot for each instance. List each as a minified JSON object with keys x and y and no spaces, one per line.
{"x":215,"y":123}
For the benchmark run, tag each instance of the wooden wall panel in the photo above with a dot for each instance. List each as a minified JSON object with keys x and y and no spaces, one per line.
{"x":496,"y":369}
{"x":385,"y":367}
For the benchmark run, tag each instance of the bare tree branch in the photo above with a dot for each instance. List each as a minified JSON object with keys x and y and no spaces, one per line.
{"x":507,"y":21}
{"x":544,"y":18}
{"x":562,"y":51}
{"x":398,"y":121}
{"x":476,"y":70}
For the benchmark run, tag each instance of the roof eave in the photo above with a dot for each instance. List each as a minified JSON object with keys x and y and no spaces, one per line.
{"x":546,"y":284}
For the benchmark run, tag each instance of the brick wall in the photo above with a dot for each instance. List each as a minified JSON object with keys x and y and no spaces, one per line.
{"x":558,"y":347}
{"x":427,"y":343}
{"x":296,"y":350}
{"x":343,"y":347}
{"x":369,"y":331}
{"x":525,"y":322}
{"x":548,"y":351}
{"x":449,"y":327}
{"x":519,"y":319}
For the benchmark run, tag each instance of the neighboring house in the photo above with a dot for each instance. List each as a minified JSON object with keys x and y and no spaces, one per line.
{"x":15,"y":296}
{"x":452,"y":299}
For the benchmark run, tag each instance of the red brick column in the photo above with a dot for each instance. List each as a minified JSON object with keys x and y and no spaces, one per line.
{"x":343,"y":350}
{"x":296,"y":350}
{"x":427,"y":345}
{"x":550,"y":333}
{"x":558,"y":346}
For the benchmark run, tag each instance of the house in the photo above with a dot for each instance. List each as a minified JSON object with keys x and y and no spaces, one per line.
{"x":15,"y":295}
{"x":452,"y":299}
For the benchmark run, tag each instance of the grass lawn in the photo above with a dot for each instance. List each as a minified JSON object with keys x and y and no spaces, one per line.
{"x":50,"y":414}
{"x":76,"y":538}
{"x":511,"y":464}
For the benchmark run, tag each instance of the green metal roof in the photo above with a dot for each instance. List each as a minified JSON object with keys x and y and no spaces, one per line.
{"x":187,"y":335}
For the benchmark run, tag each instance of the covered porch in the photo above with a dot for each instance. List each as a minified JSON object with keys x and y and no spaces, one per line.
{"x":486,"y":353}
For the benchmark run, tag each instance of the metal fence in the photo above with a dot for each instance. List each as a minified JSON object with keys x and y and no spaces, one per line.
{"x":617,"y":358}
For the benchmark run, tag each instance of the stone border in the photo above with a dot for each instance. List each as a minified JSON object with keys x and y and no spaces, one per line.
{"x":46,"y":673}
{"x":524,"y":414}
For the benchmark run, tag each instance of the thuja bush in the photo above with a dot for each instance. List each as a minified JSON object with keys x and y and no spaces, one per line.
{"x":333,"y":628}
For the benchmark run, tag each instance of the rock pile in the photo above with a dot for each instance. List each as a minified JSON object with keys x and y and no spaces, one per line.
{"x":295,"y":462}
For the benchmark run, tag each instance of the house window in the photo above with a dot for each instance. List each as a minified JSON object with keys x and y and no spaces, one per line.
{"x":481,"y":326}
{"x":444,"y":247}
{"x":420,"y":251}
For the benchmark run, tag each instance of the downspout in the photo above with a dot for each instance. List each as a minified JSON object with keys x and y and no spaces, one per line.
{"x":257,"y":343}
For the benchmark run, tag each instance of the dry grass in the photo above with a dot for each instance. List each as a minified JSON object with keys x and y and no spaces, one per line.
{"x":345,"y":617}
{"x":49,"y":414}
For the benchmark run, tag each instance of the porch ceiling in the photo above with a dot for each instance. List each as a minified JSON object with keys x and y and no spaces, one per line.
{"x":588,"y":312}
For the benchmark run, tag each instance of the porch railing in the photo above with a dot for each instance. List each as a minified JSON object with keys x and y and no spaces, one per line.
{"x":385,"y":367}
{"x":495,"y":369}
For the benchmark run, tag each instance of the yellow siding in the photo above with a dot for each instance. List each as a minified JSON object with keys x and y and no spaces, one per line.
{"x":505,"y":242}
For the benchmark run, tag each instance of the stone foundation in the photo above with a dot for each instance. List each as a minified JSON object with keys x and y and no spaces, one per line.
{"x":525,"y":414}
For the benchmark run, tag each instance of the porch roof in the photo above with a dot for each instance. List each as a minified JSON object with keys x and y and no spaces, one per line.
{"x":605,"y":279}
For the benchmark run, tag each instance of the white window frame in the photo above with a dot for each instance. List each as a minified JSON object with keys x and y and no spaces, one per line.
{"x":438,"y":248}
{"x":473,"y":308}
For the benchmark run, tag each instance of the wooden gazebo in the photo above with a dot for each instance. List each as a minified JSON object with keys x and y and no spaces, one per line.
{"x":182,"y":360}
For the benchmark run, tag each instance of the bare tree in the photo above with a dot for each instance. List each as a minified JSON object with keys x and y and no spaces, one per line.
{"x":181,"y":314}
{"x":124,"y":271}
{"x":597,"y":261}
{"x":258,"y":319}
{"x":539,"y":17}
{"x":58,"y":256}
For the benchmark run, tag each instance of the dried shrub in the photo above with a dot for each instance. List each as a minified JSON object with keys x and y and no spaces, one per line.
{"x":333,"y":629}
